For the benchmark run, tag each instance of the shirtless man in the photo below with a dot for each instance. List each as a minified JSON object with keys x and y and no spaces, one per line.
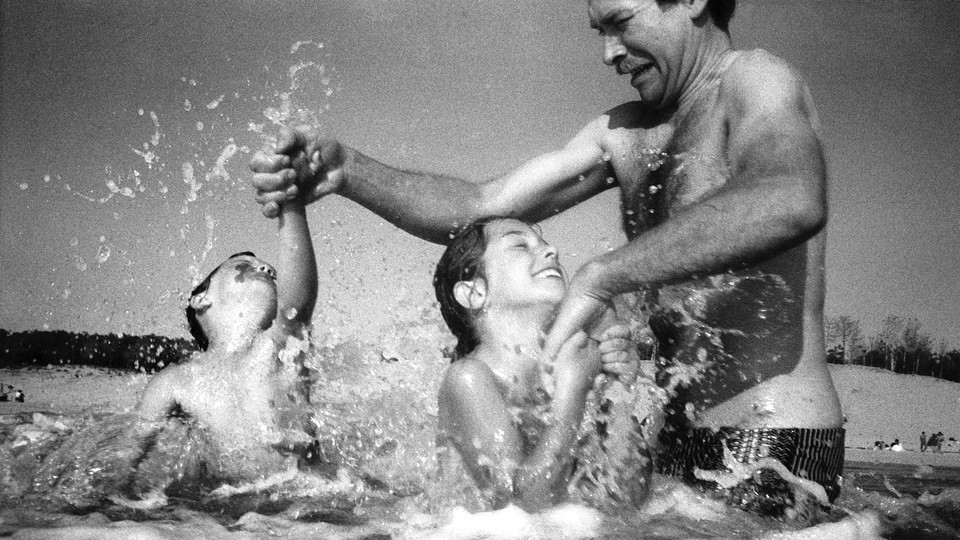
{"x":723,"y":189}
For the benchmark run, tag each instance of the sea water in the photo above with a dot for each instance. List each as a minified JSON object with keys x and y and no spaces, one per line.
{"x":375,"y":410}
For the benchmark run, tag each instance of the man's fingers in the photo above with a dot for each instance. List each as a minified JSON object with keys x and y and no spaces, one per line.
{"x":263,"y":162}
{"x":616,"y":331}
{"x":618,"y":357}
{"x":616,"y":369}
{"x":614,"y":344}
{"x":270,"y":210}
{"x":267,"y":182}
{"x":293,"y":140}
{"x":327,"y":151}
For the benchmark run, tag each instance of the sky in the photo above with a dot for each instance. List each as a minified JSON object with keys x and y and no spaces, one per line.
{"x":126,"y":127}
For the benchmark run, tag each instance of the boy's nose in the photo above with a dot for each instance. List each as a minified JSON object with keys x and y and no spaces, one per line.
{"x":267,"y":269}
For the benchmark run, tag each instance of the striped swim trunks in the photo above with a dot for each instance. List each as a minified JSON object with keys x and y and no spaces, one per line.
{"x":812,"y":454}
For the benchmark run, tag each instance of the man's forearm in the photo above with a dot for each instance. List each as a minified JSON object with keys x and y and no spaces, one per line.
{"x":426,"y":205}
{"x":731,"y":230}
{"x":431,"y":206}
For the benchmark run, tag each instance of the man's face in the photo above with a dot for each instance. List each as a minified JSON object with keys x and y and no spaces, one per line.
{"x":644,"y":41}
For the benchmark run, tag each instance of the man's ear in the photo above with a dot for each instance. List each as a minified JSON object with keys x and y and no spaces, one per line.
{"x":696,"y":8}
{"x":200,"y":302}
{"x":471,"y":294}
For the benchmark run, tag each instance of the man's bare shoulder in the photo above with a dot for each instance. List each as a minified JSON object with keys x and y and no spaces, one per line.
{"x":758,"y":74}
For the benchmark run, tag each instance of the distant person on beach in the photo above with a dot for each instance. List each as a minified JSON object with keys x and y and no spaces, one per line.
{"x":498,"y":284}
{"x":923,"y":441}
{"x":896,"y":446}
{"x":722,"y":183}
{"x":938,"y":442}
{"x":247,"y":388}
{"x":19,"y":396}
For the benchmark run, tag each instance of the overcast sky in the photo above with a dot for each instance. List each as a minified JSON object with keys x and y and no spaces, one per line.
{"x":127,"y":126}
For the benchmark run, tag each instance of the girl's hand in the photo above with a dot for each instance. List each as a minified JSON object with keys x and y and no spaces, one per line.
{"x":577,"y":364}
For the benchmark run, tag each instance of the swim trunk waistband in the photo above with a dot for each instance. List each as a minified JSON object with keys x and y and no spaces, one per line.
{"x":813,"y":454}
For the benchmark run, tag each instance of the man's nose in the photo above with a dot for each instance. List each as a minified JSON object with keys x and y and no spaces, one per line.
{"x":613,"y":50}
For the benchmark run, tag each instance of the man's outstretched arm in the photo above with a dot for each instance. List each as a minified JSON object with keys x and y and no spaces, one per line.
{"x":429,"y":205}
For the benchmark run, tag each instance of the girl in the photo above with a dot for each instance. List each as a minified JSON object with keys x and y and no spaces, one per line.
{"x":513,"y":420}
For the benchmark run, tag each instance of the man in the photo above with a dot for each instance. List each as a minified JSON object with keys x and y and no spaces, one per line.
{"x":722,"y":182}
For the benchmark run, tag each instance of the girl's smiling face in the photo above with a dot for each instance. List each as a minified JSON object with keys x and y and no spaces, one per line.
{"x":519,"y":267}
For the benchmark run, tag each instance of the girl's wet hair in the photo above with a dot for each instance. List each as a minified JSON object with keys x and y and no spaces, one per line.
{"x":462,"y":261}
{"x":196,"y":330}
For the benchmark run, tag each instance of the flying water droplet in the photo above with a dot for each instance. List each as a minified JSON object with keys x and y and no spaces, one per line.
{"x":103,"y":254}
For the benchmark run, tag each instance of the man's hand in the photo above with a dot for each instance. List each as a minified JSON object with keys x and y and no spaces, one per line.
{"x":582,"y":309}
{"x":277,"y":180}
{"x":618,"y":354}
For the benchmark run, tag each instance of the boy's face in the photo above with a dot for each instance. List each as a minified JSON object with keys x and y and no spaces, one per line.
{"x":520,"y":267}
{"x":243,"y":287}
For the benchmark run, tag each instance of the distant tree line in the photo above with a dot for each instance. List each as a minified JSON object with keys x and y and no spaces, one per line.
{"x":147,"y":353}
{"x":900,"y":346}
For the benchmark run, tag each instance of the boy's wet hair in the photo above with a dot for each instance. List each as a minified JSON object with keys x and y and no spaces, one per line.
{"x":720,"y":10}
{"x":196,"y":329}
{"x":462,"y":261}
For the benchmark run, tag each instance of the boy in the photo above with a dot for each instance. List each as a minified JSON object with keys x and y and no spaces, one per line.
{"x":248,"y":389}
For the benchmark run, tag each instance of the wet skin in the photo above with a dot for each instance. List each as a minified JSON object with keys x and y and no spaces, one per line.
{"x":723,"y":189}
{"x":745,"y":341}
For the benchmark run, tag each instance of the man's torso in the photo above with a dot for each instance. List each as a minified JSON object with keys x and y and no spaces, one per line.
{"x":744,"y":347}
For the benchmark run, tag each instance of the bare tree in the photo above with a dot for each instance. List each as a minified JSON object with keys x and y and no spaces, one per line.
{"x":844,"y":333}
{"x":914,"y":341}
{"x":891,"y":339}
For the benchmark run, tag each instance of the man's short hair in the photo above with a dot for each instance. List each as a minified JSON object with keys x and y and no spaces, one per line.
{"x":721,"y":11}
{"x":196,"y":329}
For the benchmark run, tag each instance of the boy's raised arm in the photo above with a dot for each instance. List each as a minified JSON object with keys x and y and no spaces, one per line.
{"x":297,"y":265}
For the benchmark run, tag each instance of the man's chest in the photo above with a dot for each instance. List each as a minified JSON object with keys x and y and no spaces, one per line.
{"x":663,"y":169}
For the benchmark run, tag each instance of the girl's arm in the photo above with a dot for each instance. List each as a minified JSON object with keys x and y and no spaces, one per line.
{"x":478,"y":420}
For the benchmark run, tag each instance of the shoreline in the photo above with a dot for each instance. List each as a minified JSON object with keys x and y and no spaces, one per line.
{"x":946,"y":460}
{"x":73,"y":390}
